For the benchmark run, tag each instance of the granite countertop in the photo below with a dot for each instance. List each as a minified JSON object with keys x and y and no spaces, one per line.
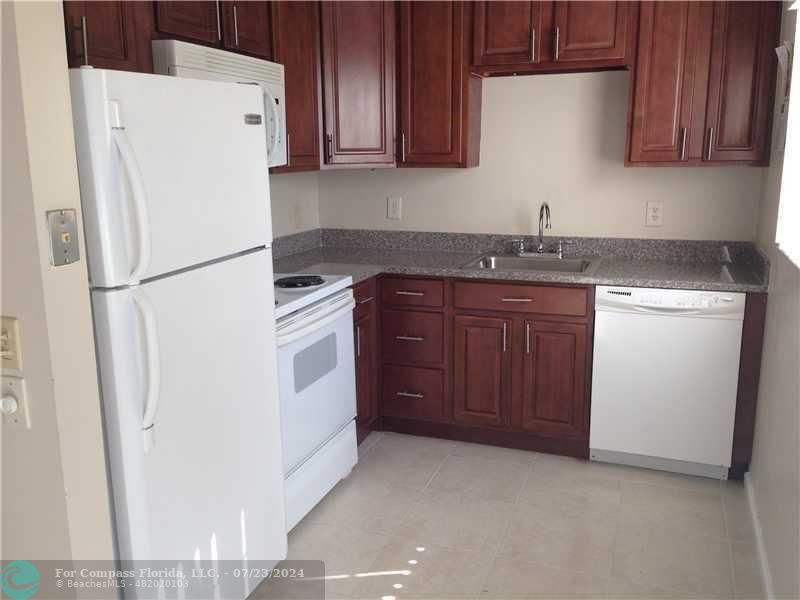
{"x":363,"y":263}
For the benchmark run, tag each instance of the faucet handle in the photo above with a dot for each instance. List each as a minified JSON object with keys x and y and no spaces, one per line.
{"x":561,"y":244}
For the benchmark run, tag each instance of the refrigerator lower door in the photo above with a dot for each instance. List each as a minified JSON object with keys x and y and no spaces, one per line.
{"x":173,"y":172}
{"x":189,"y":383}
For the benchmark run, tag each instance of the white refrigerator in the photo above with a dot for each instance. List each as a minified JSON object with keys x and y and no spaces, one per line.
{"x":175,"y":195}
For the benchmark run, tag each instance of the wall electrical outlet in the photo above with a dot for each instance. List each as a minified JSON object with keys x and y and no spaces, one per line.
{"x":655,"y":214}
{"x":394,"y":207}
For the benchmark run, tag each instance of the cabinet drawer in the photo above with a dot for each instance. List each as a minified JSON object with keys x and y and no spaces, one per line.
{"x":365,"y":296}
{"x":415,"y":337}
{"x":521,"y":298}
{"x":412,"y":292}
{"x":413,"y":393}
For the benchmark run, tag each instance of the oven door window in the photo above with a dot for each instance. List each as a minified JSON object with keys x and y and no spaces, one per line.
{"x":313,"y":363}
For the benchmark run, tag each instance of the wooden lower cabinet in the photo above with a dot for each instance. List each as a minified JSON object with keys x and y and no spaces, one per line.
{"x":553,"y":399}
{"x":413,"y":393}
{"x":365,"y":339}
{"x":482,"y":377}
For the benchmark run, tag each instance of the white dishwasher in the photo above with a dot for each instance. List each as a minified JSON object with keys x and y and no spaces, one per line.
{"x":664,"y":378}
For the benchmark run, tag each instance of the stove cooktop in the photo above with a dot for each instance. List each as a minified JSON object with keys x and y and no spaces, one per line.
{"x":299,"y":290}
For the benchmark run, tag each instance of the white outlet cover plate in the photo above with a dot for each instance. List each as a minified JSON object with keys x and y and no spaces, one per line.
{"x":394,"y":207}
{"x":654,"y":217}
{"x":15,"y":386}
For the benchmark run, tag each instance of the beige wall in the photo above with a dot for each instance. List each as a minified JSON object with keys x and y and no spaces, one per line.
{"x":775,"y":470}
{"x":295,"y":202}
{"x":68,"y":395}
{"x":554,"y":138}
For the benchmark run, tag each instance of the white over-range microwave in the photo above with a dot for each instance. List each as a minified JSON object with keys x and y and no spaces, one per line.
{"x":181,"y":59}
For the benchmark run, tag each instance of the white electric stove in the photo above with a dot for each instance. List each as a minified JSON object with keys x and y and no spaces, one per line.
{"x":317,"y":388}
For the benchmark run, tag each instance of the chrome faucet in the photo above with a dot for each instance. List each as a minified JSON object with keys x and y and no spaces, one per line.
{"x":544,"y":223}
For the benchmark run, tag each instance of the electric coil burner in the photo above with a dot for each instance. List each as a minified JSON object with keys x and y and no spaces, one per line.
{"x":299,"y":281}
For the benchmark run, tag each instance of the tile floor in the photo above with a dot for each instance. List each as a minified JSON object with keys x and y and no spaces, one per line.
{"x":428,"y":518}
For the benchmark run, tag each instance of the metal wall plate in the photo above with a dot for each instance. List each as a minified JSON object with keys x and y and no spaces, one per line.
{"x":63,"y":227}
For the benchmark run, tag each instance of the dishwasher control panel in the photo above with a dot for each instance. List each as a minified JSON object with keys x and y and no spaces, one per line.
{"x":652,"y":300}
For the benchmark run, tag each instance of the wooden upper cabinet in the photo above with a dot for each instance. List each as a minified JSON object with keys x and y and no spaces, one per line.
{"x":246,"y":28}
{"x":507,"y":33}
{"x":295,"y":34}
{"x":106,"y":35}
{"x":482,"y":375}
{"x":741,"y":81}
{"x":191,"y":20}
{"x":670,"y":80}
{"x":358,"y":73}
{"x":554,"y":378}
{"x":703,"y":83}
{"x":440,"y":101}
{"x":590,"y":31}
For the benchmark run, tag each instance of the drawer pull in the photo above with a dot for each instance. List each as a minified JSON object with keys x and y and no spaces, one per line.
{"x":517,"y":300}
{"x":409,"y":293}
{"x":409,"y":338}
{"x":410,"y":395}
{"x":365,"y":300}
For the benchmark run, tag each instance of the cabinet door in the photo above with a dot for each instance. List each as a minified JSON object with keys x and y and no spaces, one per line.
{"x":358,"y":53}
{"x":669,"y":88}
{"x":741,"y":81}
{"x":554,"y":378}
{"x":482,"y":377}
{"x":107,"y":31}
{"x":192,"y":20}
{"x":438,"y":124}
{"x":247,"y":28}
{"x":295,"y":31}
{"x":589,"y":31}
{"x":507,"y":33}
{"x":366,"y":370}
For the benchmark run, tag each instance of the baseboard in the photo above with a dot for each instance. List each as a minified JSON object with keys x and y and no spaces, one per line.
{"x":766,"y":575}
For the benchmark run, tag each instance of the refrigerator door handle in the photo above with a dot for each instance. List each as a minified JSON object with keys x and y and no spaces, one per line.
{"x":131,"y":166}
{"x":153,"y":366}
{"x":269,"y":100}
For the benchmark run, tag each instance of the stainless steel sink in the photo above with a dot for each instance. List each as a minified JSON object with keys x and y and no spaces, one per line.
{"x":531,"y":263}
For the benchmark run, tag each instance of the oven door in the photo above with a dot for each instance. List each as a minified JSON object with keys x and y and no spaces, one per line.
{"x":316,"y":376}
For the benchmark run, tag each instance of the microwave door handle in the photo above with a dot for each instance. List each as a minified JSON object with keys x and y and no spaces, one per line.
{"x":153,"y":363}
{"x":134,"y":174}
{"x":326,"y":319}
{"x":273,"y":109}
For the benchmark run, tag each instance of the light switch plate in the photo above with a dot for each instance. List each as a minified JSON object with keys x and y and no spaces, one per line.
{"x":9,"y":345}
{"x":63,"y":227}
{"x":394,"y":208}
{"x":655,"y":214}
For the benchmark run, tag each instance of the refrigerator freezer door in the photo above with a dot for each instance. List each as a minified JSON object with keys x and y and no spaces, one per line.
{"x":173,"y":172}
{"x":189,"y":381}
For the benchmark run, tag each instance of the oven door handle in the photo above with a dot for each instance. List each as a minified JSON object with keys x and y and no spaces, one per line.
{"x":321,"y":321}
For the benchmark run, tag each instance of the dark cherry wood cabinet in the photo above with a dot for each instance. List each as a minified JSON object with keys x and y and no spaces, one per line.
{"x":553,"y":400}
{"x":198,"y":21}
{"x":590,"y":32}
{"x":439,"y":99}
{"x":295,"y":35}
{"x":358,"y":75}
{"x":246,"y":27}
{"x":703,"y":83}
{"x":507,"y":32}
{"x":481,"y":369}
{"x":365,"y":340}
{"x":108,"y":35}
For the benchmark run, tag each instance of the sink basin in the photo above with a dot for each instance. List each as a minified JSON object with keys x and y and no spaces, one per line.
{"x":530,"y":263}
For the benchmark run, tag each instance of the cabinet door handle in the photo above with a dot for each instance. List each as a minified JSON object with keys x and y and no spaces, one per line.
{"x":409,"y":338}
{"x":410,"y":395}
{"x":358,"y":340}
{"x":505,"y":337}
{"x":403,"y":146}
{"x":683,"y":143}
{"x":329,"y":145}
{"x":235,"y":27}
{"x":527,"y":338}
{"x":85,"y":40}
{"x":219,"y":24}
{"x":557,"y":37}
{"x":710,"y":143}
{"x":409,"y":293}
{"x":365,"y":300}
{"x":288,"y":149}
{"x":516,"y":300}
{"x":533,"y":45}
